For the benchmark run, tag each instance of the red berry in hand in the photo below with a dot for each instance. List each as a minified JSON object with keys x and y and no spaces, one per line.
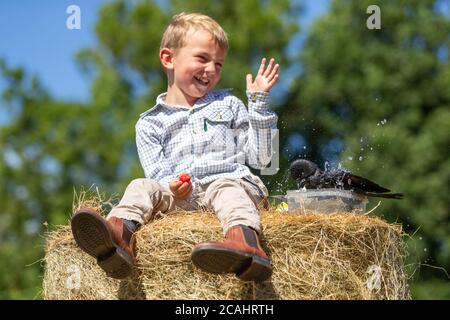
{"x":184,"y":177}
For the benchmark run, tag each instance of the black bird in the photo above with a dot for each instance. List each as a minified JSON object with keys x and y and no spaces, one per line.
{"x":308,"y":175}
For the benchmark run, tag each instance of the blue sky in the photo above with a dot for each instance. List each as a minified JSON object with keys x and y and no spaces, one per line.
{"x":33,"y":35}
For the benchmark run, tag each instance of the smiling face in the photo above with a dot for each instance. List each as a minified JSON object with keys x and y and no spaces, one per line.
{"x":194,"y":69}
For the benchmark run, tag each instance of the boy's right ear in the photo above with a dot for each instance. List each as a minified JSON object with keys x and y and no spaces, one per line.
{"x":166,"y":58}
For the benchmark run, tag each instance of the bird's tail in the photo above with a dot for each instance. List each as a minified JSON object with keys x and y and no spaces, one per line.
{"x":385,"y":195}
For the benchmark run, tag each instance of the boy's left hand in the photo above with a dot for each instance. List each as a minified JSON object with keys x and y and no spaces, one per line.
{"x":266,"y":77}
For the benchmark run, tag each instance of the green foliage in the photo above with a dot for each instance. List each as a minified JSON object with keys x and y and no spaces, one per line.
{"x":51,"y":147}
{"x":385,"y":95}
{"x":376,"y":95}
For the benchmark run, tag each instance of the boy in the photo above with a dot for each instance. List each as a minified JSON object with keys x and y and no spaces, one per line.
{"x":208,"y":134}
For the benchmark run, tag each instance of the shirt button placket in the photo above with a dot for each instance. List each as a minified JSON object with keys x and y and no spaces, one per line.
{"x":191,"y":121}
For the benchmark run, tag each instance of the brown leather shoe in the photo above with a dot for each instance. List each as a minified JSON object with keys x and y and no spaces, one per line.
{"x":109,"y":241}
{"x":240,"y":253}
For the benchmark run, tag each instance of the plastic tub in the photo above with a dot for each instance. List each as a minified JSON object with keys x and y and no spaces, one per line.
{"x":326,"y":201}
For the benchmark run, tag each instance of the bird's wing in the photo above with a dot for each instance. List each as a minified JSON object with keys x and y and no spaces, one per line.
{"x":365,"y":185}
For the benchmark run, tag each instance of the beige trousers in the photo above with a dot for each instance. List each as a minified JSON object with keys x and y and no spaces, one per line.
{"x":234,"y":201}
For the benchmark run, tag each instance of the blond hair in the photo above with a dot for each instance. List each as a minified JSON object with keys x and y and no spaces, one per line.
{"x":175,"y":35}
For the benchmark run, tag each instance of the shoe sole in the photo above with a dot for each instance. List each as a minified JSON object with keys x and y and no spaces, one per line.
{"x":93,"y":236}
{"x":247,"y":267}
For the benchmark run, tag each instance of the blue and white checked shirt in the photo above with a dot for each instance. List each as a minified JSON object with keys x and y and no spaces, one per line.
{"x":212,"y":139}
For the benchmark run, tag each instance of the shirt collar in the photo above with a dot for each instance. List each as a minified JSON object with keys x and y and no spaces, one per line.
{"x":203,"y":101}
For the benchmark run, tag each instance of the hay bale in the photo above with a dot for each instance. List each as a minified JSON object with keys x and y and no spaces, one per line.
{"x":315,"y":256}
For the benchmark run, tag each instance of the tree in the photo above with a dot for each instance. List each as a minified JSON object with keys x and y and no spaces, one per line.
{"x":51,"y":147}
{"x":377,"y":101}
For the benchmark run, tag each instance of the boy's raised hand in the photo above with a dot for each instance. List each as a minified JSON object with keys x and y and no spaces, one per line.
{"x":181,"y":187}
{"x":266,"y":77}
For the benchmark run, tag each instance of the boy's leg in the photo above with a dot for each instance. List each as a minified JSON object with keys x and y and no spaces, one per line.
{"x":111,"y":240}
{"x":235,"y":203}
{"x":145,"y":197}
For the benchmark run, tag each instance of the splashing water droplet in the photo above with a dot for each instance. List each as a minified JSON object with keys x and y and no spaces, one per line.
{"x":350,"y":158}
{"x":360,"y":158}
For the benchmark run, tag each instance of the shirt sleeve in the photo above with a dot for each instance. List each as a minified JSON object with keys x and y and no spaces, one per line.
{"x":151,"y":155}
{"x":255,"y":129}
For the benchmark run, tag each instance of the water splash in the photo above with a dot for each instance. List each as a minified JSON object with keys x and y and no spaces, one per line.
{"x":326,"y":166}
{"x":282,"y":183}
